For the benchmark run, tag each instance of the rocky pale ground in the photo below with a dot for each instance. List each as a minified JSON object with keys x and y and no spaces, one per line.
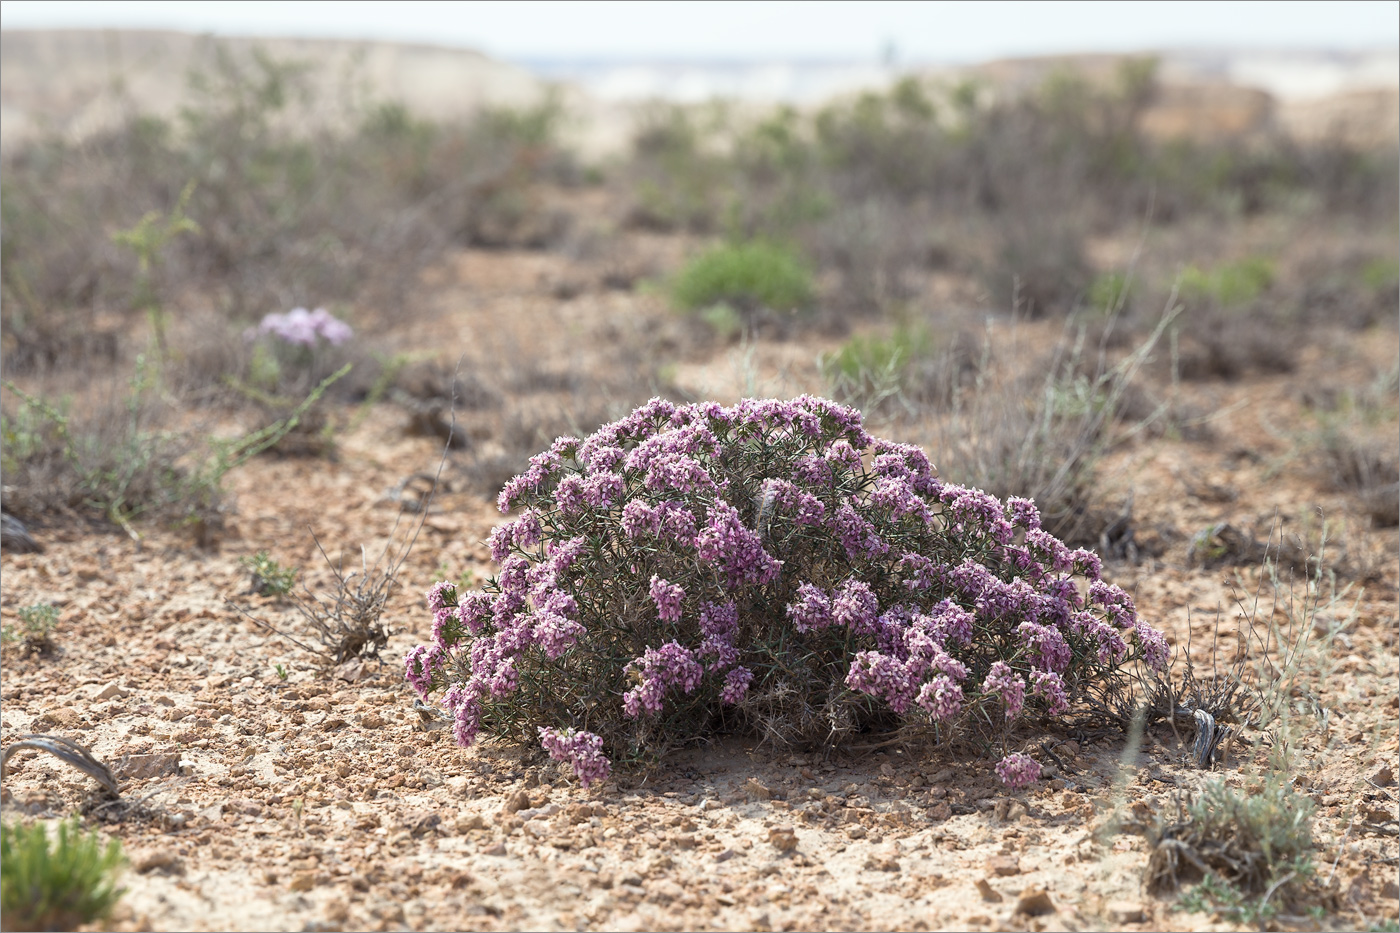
{"x":323,"y":800}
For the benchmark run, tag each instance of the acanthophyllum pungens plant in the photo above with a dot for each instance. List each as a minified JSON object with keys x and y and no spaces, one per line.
{"x":770,"y":566}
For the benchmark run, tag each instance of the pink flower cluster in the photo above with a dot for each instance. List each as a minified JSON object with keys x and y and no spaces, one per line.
{"x":304,"y":328}
{"x":659,"y":670}
{"x":688,"y":558}
{"x":582,"y":750}
{"x":1018,"y":770}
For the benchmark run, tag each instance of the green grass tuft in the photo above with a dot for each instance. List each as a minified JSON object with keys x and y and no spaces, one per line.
{"x":747,"y":276}
{"x":58,"y":883}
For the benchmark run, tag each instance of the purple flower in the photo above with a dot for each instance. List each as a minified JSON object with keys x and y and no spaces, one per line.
{"x":1087,"y":563}
{"x":463,"y":702}
{"x":736,"y":686}
{"x":1107,"y":641}
{"x":525,"y":532}
{"x":919,"y":572}
{"x":883,"y":676}
{"x":569,"y":495}
{"x":305,"y":328}
{"x":805,"y":508}
{"x":895,"y":496}
{"x":855,"y":607}
{"x":582,"y":750}
{"x":857,"y":535}
{"x":734,"y":548}
{"x":601,"y":490}
{"x":667,"y":597}
{"x":1050,"y":550}
{"x":474,"y":612}
{"x":1153,"y":644}
{"x":1046,"y":646}
{"x":1117,"y":604}
{"x":1017,"y":770}
{"x":542,"y":467}
{"x":1002,"y":680}
{"x":441,"y":595}
{"x":1023,"y":512}
{"x":842,"y":456}
{"x":1050,"y":687}
{"x":660,"y":669}
{"x":421,"y":666}
{"x":813,"y":471}
{"x":719,"y":623}
{"x":951,"y":623}
{"x":811,"y":609}
{"x":942,"y":698}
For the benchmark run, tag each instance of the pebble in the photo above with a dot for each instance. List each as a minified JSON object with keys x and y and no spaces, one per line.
{"x":783,"y":838}
{"x":1004,"y":865}
{"x":989,"y":894}
{"x":157,"y":860}
{"x":1034,"y":902}
{"x":303,"y":881}
{"x":1124,"y":912}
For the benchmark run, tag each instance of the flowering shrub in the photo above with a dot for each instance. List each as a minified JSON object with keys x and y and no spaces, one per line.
{"x":770,"y":566}
{"x":304,"y":328}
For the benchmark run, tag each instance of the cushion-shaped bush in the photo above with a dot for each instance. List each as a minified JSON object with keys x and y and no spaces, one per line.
{"x":768,"y":566}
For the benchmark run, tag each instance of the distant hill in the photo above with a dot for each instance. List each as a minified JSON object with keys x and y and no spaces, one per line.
{"x":75,"y":81}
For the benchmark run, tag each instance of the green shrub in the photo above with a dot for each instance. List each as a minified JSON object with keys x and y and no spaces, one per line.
{"x":122,"y":460}
{"x":60,"y":883}
{"x":1229,"y":285}
{"x":1109,"y":292}
{"x":35,"y":635}
{"x":869,"y":369}
{"x":1381,"y":274}
{"x":269,"y":578}
{"x":1251,"y":849}
{"x":748,"y":276}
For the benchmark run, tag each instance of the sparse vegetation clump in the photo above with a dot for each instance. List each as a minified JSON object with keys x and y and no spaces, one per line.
{"x":749,"y":276}
{"x":1249,"y":849}
{"x":35,"y":632}
{"x":57,"y":883}
{"x":269,"y":578}
{"x":691,"y":569}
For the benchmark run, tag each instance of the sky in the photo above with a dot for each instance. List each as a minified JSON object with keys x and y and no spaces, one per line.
{"x":958,"y":31}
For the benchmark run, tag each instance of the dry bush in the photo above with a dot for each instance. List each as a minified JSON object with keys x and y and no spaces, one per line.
{"x":290,"y":211}
{"x":1010,"y":428}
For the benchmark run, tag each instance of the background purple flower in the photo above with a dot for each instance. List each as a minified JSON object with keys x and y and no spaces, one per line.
{"x":1017,"y":770}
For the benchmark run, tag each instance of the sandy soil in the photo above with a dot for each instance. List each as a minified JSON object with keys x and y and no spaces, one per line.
{"x":324,"y":800}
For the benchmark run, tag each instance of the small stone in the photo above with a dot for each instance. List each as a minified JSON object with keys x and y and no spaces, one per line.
{"x":725,"y":856}
{"x":1034,"y":902}
{"x":1384,"y":777}
{"x":1004,"y":865}
{"x":687,"y":841}
{"x":757,"y":790}
{"x":882,"y":861}
{"x":783,"y":838}
{"x":516,"y":802}
{"x":988,"y":893}
{"x":302,"y":881}
{"x":164,"y":860}
{"x":65,"y":717}
{"x":111,"y":691}
{"x":470,"y":822}
{"x":1124,"y":912}
{"x":498,"y":848}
